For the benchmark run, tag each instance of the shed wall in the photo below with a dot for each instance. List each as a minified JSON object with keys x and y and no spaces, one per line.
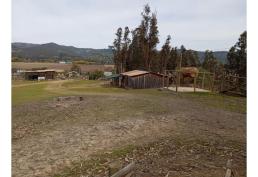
{"x":35,"y":75}
{"x":144,"y":81}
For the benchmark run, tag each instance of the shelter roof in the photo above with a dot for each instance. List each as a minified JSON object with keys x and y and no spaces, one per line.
{"x":134,"y":73}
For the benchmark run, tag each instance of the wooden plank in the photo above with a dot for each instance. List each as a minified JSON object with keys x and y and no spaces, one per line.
{"x":124,"y":171}
{"x":179,"y":68}
{"x":203,"y":78}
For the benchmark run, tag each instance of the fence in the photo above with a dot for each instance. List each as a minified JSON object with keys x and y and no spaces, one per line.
{"x":233,"y":84}
{"x":223,"y":83}
{"x":204,"y":80}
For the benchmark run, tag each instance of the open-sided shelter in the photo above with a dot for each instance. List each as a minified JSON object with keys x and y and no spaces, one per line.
{"x":40,"y":74}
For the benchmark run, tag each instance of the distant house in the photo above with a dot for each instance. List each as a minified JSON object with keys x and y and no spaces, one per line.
{"x":107,"y":73}
{"x":40,"y":74}
{"x":138,"y":79}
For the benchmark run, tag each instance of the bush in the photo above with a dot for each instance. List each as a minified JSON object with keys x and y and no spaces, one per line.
{"x":96,"y":75}
{"x":76,"y":68}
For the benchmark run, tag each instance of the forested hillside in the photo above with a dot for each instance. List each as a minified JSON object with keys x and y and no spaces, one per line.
{"x":55,"y":52}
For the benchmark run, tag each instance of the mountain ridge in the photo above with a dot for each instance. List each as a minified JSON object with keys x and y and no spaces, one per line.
{"x":51,"y":50}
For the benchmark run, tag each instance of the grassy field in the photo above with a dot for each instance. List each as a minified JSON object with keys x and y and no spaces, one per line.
{"x":28,"y":91}
{"x":109,"y":127}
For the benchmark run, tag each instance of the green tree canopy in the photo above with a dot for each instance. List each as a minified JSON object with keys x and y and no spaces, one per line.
{"x":210,"y":62}
{"x":236,"y":58}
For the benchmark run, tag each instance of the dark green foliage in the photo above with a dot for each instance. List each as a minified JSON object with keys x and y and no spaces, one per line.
{"x":164,"y":55}
{"x":210,"y":62}
{"x":117,"y":50}
{"x":184,"y":61}
{"x":135,"y":60}
{"x":76,"y":68}
{"x":140,"y":52}
{"x":173,"y":59}
{"x":220,"y":55}
{"x":125,"y":49}
{"x":52,"y":52}
{"x":17,"y":59}
{"x":236,"y":58}
{"x":189,"y":57}
{"x":96,"y":75}
{"x":153,"y":40}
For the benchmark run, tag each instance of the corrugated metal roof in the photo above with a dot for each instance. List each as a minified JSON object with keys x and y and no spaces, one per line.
{"x":112,"y":76}
{"x":134,"y":73}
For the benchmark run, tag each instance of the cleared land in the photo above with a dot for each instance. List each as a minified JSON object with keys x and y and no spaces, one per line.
{"x":181,"y":134}
{"x":66,"y":67}
{"x":187,"y":89}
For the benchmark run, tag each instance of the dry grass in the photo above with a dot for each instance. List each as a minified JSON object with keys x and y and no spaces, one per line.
{"x":66,"y":67}
{"x":181,"y":132}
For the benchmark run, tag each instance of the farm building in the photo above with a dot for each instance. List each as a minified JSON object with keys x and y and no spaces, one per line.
{"x":40,"y":74}
{"x":138,"y":79}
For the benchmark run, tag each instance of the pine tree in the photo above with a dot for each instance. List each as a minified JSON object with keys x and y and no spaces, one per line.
{"x":165,"y":54}
{"x":173,"y":59}
{"x":117,"y":50}
{"x":236,"y":58}
{"x":135,"y":59}
{"x":153,"y":39}
{"x":125,"y":50}
{"x":192,"y":58}
{"x":143,"y":37}
{"x":184,"y":61}
{"x":148,"y":36}
{"x":210,"y":62}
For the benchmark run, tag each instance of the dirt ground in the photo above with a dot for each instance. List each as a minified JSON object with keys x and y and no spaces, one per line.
{"x":66,"y":67}
{"x":172,"y":135}
{"x":187,"y":89}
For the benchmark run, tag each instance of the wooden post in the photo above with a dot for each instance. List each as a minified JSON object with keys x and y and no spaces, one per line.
{"x":222,"y":83}
{"x":167,"y":81}
{"x":179,"y":69}
{"x":210,"y":82}
{"x":194,"y":84}
{"x":213,"y":78}
{"x":203,"y":79}
{"x":163,"y":81}
{"x":176,"y":80}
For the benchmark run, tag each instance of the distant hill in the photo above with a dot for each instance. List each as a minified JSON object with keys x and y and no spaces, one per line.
{"x":220,"y":55}
{"x":60,"y":52}
{"x":41,"y":52}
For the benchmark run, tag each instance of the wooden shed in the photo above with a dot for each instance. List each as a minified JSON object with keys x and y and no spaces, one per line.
{"x":40,"y":74}
{"x":138,"y":79}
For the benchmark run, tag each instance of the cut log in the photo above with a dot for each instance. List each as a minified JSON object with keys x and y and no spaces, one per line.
{"x":124,"y":171}
{"x":229,"y":166}
{"x":228,"y":173}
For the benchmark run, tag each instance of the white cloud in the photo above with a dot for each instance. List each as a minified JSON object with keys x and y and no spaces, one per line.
{"x":198,"y":24}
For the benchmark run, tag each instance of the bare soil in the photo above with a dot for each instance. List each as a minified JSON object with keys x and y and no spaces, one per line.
{"x":66,"y":67}
{"x":173,"y":135}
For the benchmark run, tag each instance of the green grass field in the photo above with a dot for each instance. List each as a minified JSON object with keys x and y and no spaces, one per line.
{"x":28,"y":91}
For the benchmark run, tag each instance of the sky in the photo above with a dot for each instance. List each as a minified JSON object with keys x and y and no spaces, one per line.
{"x":197,"y":24}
